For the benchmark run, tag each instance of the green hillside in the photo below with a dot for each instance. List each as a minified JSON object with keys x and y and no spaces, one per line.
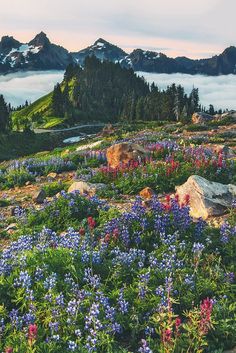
{"x":105,"y":92}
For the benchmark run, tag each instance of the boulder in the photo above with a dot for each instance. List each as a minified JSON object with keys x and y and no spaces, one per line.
{"x":12,"y":226}
{"x":52,"y":176}
{"x":206,"y":198}
{"x":201,"y":118}
{"x":123,"y":153}
{"x":85,"y":188}
{"x":147,"y":193}
{"x":231,"y":114}
{"x":39,"y":196}
{"x":107,"y":130}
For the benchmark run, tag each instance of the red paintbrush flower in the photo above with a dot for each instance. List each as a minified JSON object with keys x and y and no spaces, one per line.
{"x":91,"y":222}
{"x":8,"y":350}
{"x":82,"y":231}
{"x":32,"y":332}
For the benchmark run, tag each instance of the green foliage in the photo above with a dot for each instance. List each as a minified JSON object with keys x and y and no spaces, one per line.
{"x":57,"y":101}
{"x":64,"y":212}
{"x":104,"y":91}
{"x":4,"y":114}
{"x":4,"y":202}
{"x":196,"y":127}
{"x":16,"y":178}
{"x":54,"y":188}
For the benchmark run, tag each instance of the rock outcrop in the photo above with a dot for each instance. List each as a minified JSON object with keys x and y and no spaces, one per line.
{"x":85,"y":188}
{"x":39,"y":196}
{"x":201,"y":118}
{"x":147,"y":193}
{"x":206,"y":198}
{"x":124,"y":153}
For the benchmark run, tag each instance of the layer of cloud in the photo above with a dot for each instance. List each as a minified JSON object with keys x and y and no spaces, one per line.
{"x":219,"y":91}
{"x":19,"y":87}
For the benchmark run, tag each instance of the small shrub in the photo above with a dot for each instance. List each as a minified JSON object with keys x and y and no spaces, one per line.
{"x":54,"y":188}
{"x":4,"y":202}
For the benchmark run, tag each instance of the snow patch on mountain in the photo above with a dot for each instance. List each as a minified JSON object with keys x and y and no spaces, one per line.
{"x":24,"y":50}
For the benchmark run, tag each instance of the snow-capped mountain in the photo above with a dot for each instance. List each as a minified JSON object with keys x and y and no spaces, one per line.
{"x":103,"y":50}
{"x":41,"y":54}
{"x":150,"y":61}
{"x":38,"y":54}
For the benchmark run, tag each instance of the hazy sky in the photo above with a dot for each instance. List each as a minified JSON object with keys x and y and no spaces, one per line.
{"x":196,"y":28}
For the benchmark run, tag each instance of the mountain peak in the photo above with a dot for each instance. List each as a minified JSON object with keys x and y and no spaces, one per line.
{"x":40,"y":39}
{"x":101,"y":40}
{"x":230,"y":50}
{"x":8,"y":42}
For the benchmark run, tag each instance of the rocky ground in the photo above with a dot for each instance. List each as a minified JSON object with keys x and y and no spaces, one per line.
{"x":25,"y":196}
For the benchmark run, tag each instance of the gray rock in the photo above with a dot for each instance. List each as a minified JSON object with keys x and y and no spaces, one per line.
{"x":85,"y":188}
{"x":206,"y":198}
{"x":201,"y":118}
{"x":39,"y":196}
{"x":231,"y":113}
{"x":12,"y":226}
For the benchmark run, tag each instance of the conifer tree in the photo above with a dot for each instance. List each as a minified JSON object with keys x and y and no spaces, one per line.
{"x":4,"y":114}
{"x":57,"y":101}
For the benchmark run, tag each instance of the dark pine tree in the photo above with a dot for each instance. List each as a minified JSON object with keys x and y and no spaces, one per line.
{"x":57,"y":101}
{"x":4,"y":114}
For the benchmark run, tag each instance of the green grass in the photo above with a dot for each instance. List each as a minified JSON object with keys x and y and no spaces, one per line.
{"x":39,"y":114}
{"x":39,"y":106}
{"x":52,"y":122}
{"x":4,"y":202}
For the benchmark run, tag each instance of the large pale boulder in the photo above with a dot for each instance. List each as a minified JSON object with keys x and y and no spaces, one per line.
{"x":124,"y":153}
{"x":85,"y":188}
{"x":201,"y":118}
{"x":206,"y":198}
{"x":231,"y":113}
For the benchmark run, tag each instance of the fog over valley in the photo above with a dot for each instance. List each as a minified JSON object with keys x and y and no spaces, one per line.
{"x":217,"y":90}
{"x":30,"y":85}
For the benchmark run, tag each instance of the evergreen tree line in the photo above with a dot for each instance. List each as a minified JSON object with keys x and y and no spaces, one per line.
{"x":105,"y":91}
{"x":4,"y":115}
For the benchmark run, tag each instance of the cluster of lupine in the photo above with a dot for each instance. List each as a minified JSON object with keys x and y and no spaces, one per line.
{"x":98,"y":154}
{"x":150,"y":280}
{"x":40,"y":166}
{"x":20,"y":171}
{"x":61,"y":212}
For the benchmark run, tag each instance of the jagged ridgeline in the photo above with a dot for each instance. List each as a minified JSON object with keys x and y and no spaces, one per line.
{"x":104,"y":91}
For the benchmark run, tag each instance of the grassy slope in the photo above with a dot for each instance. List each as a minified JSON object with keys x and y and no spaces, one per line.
{"x":42,"y":105}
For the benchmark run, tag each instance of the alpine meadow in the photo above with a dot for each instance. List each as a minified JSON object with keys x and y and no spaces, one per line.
{"x":117,"y":177}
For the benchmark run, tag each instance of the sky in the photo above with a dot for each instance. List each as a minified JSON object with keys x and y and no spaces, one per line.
{"x":197,"y":29}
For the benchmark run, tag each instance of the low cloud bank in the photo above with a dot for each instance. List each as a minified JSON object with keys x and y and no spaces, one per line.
{"x":217,"y":90}
{"x":31,"y":85}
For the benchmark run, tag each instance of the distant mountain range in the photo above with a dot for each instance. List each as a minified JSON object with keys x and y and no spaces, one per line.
{"x":41,"y":54}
